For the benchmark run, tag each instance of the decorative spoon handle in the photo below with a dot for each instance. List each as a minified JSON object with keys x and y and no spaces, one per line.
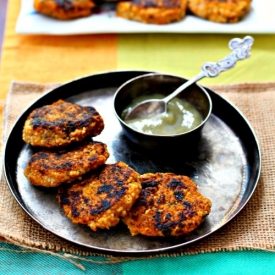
{"x":240,"y":50}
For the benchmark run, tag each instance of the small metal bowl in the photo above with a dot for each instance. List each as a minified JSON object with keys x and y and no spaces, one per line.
{"x":164,"y":84}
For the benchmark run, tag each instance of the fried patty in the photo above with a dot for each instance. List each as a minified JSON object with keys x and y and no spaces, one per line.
{"x":61,"y":124}
{"x":64,"y":9}
{"x":152,"y":11}
{"x":100,"y":200}
{"x":221,"y":11}
{"x":51,"y":168}
{"x":169,"y":205}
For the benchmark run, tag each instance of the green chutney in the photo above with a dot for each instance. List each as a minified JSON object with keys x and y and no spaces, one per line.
{"x":181,"y":117}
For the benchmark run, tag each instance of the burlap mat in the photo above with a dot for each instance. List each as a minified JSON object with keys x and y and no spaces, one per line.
{"x":253,"y":228}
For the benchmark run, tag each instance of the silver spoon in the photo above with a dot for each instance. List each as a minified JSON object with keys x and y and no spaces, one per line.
{"x":240,"y":50}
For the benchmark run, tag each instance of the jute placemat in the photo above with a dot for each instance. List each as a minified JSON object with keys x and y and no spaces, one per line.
{"x":253,"y":228}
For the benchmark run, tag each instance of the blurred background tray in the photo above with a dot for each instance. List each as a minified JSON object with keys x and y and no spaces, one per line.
{"x":259,"y":20}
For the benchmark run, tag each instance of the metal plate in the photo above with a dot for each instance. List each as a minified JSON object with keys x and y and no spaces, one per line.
{"x":226,"y":166}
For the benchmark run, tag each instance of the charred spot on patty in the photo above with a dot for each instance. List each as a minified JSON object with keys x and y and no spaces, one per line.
{"x":173,"y":207}
{"x":60,"y":124}
{"x":50,"y":168}
{"x":103,"y":197}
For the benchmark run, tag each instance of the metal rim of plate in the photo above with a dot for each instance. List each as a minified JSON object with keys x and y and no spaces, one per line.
{"x":224,"y":113}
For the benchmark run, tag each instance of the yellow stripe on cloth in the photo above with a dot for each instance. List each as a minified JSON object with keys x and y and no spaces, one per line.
{"x":183,"y":54}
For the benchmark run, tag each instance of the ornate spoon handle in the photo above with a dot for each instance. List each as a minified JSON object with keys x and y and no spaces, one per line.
{"x":240,"y":50}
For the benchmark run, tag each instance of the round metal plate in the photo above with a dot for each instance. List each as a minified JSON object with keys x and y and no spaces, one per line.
{"x":226,"y":166}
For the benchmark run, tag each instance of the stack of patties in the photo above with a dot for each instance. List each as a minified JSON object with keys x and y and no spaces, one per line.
{"x":96,"y":194}
{"x":62,"y":132}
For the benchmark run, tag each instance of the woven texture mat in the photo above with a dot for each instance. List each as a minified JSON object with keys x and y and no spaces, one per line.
{"x":253,"y":228}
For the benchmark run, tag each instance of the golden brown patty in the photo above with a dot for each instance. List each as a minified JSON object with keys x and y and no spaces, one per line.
{"x":64,"y":9}
{"x":169,"y":205}
{"x":52,"y":168}
{"x":60,"y":124}
{"x":222,"y":11}
{"x":101,"y":199}
{"x":152,"y":11}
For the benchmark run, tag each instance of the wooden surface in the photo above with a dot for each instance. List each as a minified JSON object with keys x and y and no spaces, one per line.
{"x":3,"y":8}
